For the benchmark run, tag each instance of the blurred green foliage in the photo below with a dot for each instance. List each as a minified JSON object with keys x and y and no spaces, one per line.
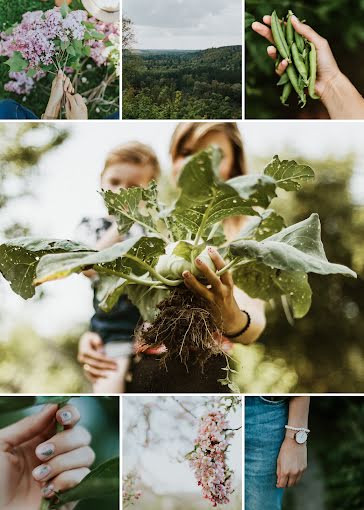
{"x":337,"y":425}
{"x":10,"y":13}
{"x":323,"y":352}
{"x":31,"y":364}
{"x":100,"y":416}
{"x":339,"y":21}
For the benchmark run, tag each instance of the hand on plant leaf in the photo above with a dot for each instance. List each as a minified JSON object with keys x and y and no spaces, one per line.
{"x":35,"y":462}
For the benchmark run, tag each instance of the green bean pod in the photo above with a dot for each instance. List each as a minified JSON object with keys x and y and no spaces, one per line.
{"x":299,"y":41}
{"x":299,"y":62}
{"x":278,"y":36}
{"x":292,"y":74}
{"x":287,"y":89}
{"x":313,"y":71}
{"x":289,"y":29}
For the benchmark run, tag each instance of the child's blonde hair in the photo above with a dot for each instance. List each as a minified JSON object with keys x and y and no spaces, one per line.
{"x":133,"y":152}
{"x":194,"y":131}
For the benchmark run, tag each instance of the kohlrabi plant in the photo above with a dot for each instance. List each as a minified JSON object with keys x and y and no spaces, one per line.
{"x":268,"y":260}
{"x":102,"y":481}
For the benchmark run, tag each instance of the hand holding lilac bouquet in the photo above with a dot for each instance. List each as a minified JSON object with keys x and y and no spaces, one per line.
{"x":59,"y":40}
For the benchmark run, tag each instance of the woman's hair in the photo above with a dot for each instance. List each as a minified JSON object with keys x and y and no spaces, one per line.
{"x":194,"y":131}
{"x":133,"y":152}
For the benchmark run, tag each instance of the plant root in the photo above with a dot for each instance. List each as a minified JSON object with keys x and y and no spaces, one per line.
{"x":186,"y":324}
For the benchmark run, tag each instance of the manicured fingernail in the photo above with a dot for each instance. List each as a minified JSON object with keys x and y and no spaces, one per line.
{"x":41,"y":472}
{"x":186,"y":274}
{"x":198,"y":261}
{"x":48,"y":490}
{"x":66,"y":417}
{"x":45,"y":450}
{"x":210,"y":249}
{"x":294,"y":18}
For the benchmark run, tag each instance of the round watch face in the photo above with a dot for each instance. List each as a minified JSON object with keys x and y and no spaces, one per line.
{"x":301,"y":437}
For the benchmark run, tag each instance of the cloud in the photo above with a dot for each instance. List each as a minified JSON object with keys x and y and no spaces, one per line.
{"x":190,"y":23}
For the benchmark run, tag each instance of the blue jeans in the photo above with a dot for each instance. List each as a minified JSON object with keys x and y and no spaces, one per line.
{"x":264,"y":434}
{"x":10,"y":109}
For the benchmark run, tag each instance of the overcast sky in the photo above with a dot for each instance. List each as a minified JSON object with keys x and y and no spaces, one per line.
{"x":185,"y":24}
{"x":66,"y":190}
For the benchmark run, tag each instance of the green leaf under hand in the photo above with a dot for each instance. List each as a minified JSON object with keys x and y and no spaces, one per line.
{"x":103,"y":481}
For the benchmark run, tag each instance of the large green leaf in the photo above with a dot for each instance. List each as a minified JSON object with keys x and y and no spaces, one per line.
{"x":146,"y":299}
{"x":109,"y":289}
{"x":258,"y":190}
{"x":103,"y":481}
{"x":16,"y":63}
{"x":288,"y":175}
{"x":112,"y":260}
{"x":136,"y":205}
{"x":295,"y":248}
{"x":205,"y":200}
{"x":19,"y":258}
{"x":266,"y":283}
{"x":266,"y":225}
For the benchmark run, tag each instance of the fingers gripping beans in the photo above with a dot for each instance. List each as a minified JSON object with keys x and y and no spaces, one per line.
{"x":301,"y":56}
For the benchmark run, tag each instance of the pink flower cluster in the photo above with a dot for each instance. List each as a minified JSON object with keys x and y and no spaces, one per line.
{"x":208,"y":459}
{"x":130,"y":492}
{"x":98,"y":54}
{"x":35,"y":36}
{"x":22,"y":84}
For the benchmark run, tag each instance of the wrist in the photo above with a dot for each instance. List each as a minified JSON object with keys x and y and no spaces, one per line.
{"x":332,"y":87}
{"x":236,"y":324}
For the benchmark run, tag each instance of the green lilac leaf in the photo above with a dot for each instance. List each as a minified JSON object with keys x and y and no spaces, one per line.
{"x":19,"y":259}
{"x":16,"y":63}
{"x":288,"y":175}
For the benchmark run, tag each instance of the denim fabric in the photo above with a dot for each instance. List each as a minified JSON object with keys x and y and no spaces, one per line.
{"x":10,"y":109}
{"x":264,"y":433}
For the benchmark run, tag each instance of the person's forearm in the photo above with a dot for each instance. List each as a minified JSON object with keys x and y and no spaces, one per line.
{"x":51,"y":111}
{"x":298,"y":411}
{"x":256,"y":310}
{"x":342,"y":100}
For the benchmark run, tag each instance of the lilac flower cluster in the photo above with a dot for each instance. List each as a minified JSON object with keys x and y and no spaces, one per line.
{"x":208,"y":459}
{"x":98,"y":54}
{"x":34,"y":37}
{"x":22,"y":84}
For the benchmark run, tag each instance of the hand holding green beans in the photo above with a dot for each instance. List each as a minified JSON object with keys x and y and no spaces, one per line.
{"x":303,"y":58}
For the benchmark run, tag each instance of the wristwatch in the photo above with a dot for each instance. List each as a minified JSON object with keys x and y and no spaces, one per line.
{"x":300,"y":434}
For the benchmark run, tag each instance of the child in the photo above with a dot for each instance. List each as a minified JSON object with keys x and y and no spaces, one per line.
{"x":105,"y":349}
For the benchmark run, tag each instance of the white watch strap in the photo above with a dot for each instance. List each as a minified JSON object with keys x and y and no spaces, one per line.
{"x":297,"y":429}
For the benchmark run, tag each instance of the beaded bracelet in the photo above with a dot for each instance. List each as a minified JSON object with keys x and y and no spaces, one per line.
{"x":245,"y":328}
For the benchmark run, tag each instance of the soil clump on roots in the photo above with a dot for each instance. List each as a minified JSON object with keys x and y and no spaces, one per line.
{"x":185,"y":324}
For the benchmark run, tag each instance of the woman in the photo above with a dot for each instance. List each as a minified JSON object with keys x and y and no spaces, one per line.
{"x":36,"y":462}
{"x":337,"y":93}
{"x":243,"y":317}
{"x":275,"y":448}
